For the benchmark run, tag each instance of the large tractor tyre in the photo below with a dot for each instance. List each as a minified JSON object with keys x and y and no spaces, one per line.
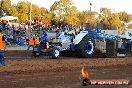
{"x":86,"y":47}
{"x":36,"y":54}
{"x":55,"y":53}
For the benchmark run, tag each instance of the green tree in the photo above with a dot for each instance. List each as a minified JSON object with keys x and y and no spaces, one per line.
{"x":6,"y":6}
{"x":22,"y":7}
{"x":88,"y":17}
{"x":125,"y":17}
{"x":72,"y":16}
{"x":43,"y":11}
{"x":65,"y":11}
{"x":1,"y":12}
{"x":23,"y":11}
{"x":23,"y":17}
{"x":116,"y":22}
{"x":47,"y":18}
{"x":105,"y":18}
{"x":36,"y":11}
{"x":105,"y":11}
{"x":106,"y":22}
{"x":111,"y":20}
{"x":14,"y":11}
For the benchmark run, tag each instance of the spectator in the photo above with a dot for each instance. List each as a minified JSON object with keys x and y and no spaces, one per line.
{"x":17,"y":41}
{"x":2,"y":49}
{"x":22,"y":42}
{"x":31,"y":42}
{"x":37,"y":40}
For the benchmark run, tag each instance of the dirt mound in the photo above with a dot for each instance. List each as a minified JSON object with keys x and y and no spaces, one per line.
{"x":66,"y":64}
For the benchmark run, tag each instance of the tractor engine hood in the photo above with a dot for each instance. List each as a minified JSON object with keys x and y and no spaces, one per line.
{"x":65,"y":38}
{"x":80,"y":36}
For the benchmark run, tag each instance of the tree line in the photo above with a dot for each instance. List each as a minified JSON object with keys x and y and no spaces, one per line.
{"x":65,"y":12}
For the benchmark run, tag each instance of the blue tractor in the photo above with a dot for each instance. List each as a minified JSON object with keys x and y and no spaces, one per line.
{"x":85,"y":43}
{"x":88,"y":43}
{"x":92,"y":42}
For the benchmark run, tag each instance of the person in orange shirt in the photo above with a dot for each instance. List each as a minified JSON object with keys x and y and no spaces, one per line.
{"x":31,"y":42}
{"x":2,"y":49}
{"x":37,"y":40}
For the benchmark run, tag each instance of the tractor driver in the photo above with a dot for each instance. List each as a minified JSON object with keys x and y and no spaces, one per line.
{"x":44,"y":37}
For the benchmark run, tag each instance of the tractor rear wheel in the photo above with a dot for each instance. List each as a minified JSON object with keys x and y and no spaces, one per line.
{"x":86,"y":47}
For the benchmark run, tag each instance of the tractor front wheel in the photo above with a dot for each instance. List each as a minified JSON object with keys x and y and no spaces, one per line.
{"x":55,"y":53}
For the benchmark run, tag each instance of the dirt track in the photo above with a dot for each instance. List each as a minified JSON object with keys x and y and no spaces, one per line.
{"x":54,"y":65}
{"x":62,"y":73}
{"x":69,"y":79}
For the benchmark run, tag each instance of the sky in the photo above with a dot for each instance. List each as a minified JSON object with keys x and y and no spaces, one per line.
{"x":114,"y":5}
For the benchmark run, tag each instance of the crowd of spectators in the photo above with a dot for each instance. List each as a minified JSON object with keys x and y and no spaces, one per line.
{"x":14,"y":35}
{"x":18,"y":35}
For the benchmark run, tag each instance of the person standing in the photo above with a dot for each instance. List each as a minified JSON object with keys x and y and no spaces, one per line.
{"x":31,"y":42}
{"x":2,"y":49}
{"x":37,"y":42}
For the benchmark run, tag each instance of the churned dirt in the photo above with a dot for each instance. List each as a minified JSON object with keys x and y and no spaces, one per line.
{"x":36,"y":65}
{"x":63,"y":73}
